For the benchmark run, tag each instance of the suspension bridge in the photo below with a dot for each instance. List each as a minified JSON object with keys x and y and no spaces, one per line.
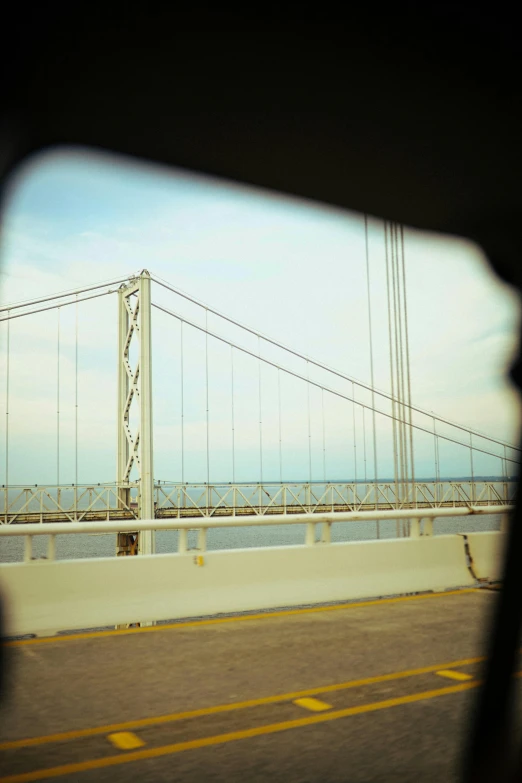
{"x":241,"y":415}
{"x":385,"y":431}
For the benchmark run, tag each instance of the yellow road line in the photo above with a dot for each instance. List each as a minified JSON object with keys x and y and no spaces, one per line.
{"x":237,"y":618}
{"x":125,"y":740}
{"x":240,"y":705}
{"x":233,"y":736}
{"x":314,"y":705}
{"x":454,"y":675}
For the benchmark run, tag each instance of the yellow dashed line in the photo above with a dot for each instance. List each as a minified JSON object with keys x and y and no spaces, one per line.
{"x":240,"y":705}
{"x":220,"y":739}
{"x":125,"y":740}
{"x":315,"y":705}
{"x":452,"y":675}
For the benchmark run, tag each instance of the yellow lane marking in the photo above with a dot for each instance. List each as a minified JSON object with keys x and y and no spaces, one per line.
{"x":125,"y":740}
{"x":314,"y":705}
{"x":454,"y":675}
{"x":239,"y":705}
{"x":235,"y":619}
{"x":219,"y":739}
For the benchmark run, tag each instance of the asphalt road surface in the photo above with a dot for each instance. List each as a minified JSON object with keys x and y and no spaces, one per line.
{"x":362,"y":692}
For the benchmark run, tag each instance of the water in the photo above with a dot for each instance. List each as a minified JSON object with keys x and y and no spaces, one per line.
{"x":104,"y":545}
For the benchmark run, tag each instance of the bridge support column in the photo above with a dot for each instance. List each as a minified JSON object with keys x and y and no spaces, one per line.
{"x":146,"y":539}
{"x":135,"y":449}
{"x":428,"y":527}
{"x":310,"y":534}
{"x":415,"y":528}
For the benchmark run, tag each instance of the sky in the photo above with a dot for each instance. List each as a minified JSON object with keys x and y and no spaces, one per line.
{"x":288,"y":268}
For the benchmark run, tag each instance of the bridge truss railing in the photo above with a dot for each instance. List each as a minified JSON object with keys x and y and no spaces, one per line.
{"x":267,"y":499}
{"x":104,"y":502}
{"x":81,"y":503}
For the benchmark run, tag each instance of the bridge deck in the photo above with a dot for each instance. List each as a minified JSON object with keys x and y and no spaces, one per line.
{"x":115,"y":514}
{"x":389,"y":683}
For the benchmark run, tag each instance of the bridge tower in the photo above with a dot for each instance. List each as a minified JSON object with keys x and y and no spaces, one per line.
{"x":135,"y":437}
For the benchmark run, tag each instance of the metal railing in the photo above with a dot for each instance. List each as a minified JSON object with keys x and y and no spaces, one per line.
{"x":419,"y":524}
{"x":106,"y":502}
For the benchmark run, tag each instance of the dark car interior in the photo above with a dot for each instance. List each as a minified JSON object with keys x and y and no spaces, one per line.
{"x":408,"y":112}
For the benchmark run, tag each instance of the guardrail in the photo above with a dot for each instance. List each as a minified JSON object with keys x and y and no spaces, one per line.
{"x":44,"y":596}
{"x":421,"y":524}
{"x":105,"y":502}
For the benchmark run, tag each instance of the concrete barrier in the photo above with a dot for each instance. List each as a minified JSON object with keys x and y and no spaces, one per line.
{"x":45,"y":596}
{"x":487,"y":554}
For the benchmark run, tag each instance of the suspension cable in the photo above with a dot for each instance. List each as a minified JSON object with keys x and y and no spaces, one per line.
{"x":7,"y":414}
{"x":61,"y":295}
{"x":182,"y":403}
{"x":260,"y":412}
{"x":324,"y":436}
{"x":206,"y":384}
{"x":372,"y":381}
{"x":280,"y":428}
{"x":232,"y":413}
{"x":58,"y":402}
{"x":314,"y":383}
{"x":321,"y":365}
{"x":56,"y":306}
{"x":309,"y":424}
{"x":390,"y":344}
{"x":354,"y":436}
{"x":76,"y":399}
{"x":408,"y":368}
{"x":364,"y":445}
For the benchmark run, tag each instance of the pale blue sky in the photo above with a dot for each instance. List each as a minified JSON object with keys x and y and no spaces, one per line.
{"x":291,"y":269}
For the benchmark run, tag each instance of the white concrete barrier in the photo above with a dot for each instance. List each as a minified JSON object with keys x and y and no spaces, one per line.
{"x":487,"y":554}
{"x":46,"y":596}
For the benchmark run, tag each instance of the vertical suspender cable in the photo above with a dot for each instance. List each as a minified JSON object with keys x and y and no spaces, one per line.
{"x":437,"y":466}
{"x":398,"y":355}
{"x":354,"y":437}
{"x":408,"y":370}
{"x":206,"y":384}
{"x":182,"y":401}
{"x":76,"y":400}
{"x":372,"y":379}
{"x":471,"y":465}
{"x":324,"y":436}
{"x":232,"y":412}
{"x":7,"y":412}
{"x":280,"y":439}
{"x":403,"y":369}
{"x":505,"y":476}
{"x":309,"y":426}
{"x":364,"y":445}
{"x":58,"y":402}
{"x":390,"y":341}
{"x":260,"y":411}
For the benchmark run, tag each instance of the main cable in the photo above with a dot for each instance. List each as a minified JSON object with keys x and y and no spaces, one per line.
{"x":61,"y":295}
{"x":314,"y":383}
{"x":319,"y":364}
{"x":57,"y":306}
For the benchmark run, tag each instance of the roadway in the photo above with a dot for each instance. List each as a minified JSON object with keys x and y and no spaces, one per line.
{"x":367,"y":691}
